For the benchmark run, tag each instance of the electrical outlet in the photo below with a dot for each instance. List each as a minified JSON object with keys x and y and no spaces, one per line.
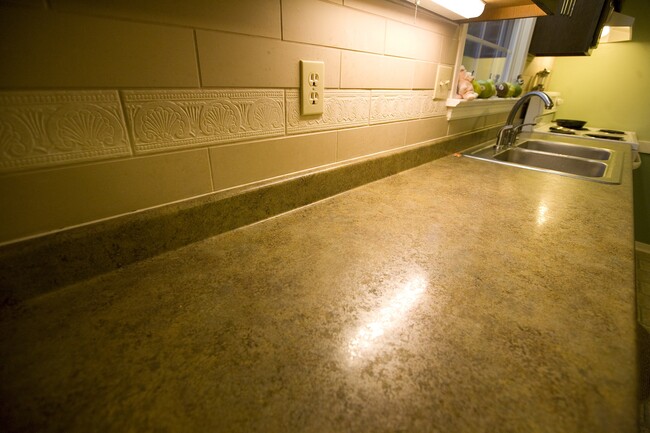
{"x":312,"y":87}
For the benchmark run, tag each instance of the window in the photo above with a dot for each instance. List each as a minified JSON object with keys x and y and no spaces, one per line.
{"x":497,"y":49}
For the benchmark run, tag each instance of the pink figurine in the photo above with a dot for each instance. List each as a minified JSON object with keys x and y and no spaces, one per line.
{"x":465,"y":87}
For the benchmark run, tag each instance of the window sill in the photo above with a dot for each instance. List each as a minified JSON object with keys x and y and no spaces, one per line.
{"x":462,"y":108}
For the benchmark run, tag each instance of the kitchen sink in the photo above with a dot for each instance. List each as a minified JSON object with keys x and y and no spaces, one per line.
{"x":577,"y":166}
{"x":566,"y":149}
{"x":587,"y":162}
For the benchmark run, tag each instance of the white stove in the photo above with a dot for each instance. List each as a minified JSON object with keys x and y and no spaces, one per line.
{"x":592,"y":133}
{"x":599,"y":134}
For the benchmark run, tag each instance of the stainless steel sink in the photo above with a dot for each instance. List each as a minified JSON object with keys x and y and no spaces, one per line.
{"x":592,"y":163}
{"x":566,"y":149}
{"x":577,"y":166}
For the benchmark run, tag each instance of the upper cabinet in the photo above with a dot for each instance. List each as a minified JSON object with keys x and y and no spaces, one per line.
{"x":571,"y":31}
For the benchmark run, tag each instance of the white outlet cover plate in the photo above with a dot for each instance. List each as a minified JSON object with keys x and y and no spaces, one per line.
{"x":312,"y":87}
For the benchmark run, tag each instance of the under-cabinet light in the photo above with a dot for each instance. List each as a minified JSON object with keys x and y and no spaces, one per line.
{"x":455,"y":9}
{"x":618,"y":28}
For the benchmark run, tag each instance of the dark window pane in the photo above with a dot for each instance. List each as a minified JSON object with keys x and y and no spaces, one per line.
{"x":472,"y":49}
{"x":489,"y":52}
{"x":476,"y":29}
{"x":493,"y":31}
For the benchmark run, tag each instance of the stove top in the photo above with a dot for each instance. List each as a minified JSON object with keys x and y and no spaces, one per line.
{"x":592,"y":133}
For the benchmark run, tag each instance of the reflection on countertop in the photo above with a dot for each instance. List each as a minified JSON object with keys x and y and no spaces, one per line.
{"x":457,"y":296}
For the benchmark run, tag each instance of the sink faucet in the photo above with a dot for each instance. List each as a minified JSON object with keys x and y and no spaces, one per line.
{"x":508,"y":133}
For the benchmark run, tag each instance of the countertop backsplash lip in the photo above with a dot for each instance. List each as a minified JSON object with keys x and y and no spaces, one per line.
{"x":40,"y":264}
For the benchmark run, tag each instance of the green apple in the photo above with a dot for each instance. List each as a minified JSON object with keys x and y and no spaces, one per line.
{"x":477,"y":87}
{"x":489,"y":89}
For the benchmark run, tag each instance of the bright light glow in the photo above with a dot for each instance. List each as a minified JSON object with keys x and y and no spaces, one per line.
{"x":605,"y":32}
{"x":464,"y":8}
{"x":618,"y":28}
{"x":389,"y":316}
{"x":542,"y":210}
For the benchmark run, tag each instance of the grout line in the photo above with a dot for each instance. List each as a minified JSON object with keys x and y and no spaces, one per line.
{"x":210,"y":169}
{"x":198,"y":61}
{"x":130,"y":129}
{"x":340,"y":68}
{"x":281,"y":22}
{"x":286,"y":112}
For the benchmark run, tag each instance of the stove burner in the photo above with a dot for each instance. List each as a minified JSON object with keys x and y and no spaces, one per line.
{"x":606,"y":137}
{"x":561,"y":130}
{"x":612,"y":131}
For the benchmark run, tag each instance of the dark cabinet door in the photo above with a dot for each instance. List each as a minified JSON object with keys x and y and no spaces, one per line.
{"x":547,"y":6}
{"x":575,"y":35}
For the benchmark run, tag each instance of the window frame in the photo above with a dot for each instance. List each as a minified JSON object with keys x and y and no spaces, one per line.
{"x":518,"y":48}
{"x":522,"y":33}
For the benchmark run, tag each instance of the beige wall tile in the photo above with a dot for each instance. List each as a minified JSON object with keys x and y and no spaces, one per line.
{"x":229,"y":60}
{"x":239,"y":164}
{"x":425,"y":75}
{"x":403,"y":40}
{"x":253,"y":17}
{"x":465,"y":125}
{"x":495,"y":119}
{"x":406,"y":13}
{"x":370,"y":71}
{"x":38,"y":202}
{"x":42,"y":49}
{"x":53,"y":128}
{"x":449,"y":51}
{"x":331,"y":25}
{"x":172,"y":119}
{"x":357,"y":142}
{"x":418,"y":131}
{"x":341,"y":109}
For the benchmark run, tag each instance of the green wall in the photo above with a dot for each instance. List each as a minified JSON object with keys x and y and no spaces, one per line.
{"x":611,"y":88}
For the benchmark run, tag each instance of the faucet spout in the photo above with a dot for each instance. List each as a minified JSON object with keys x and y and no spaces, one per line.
{"x":508,"y":133}
{"x":548,"y":103}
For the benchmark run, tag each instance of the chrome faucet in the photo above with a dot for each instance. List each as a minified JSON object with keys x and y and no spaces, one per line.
{"x":508,"y":133}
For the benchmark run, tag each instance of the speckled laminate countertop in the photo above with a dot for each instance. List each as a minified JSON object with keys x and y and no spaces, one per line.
{"x":459,"y":296}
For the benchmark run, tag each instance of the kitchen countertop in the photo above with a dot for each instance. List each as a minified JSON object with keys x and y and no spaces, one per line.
{"x":459,"y":296}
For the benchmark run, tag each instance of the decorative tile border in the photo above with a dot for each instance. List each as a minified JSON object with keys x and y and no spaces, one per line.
{"x":341,"y":109}
{"x":169,"y":119}
{"x":57,"y":127}
{"x":45,"y":128}
{"x":431,"y":107}
{"x":396,"y":105}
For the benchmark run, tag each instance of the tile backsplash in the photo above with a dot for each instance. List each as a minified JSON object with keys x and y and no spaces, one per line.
{"x":202,"y":93}
{"x":54,"y":128}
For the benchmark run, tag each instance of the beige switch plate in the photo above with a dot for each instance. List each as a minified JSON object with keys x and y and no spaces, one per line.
{"x":443,"y":82}
{"x":312,"y":87}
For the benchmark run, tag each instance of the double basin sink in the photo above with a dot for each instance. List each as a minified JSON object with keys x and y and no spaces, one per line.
{"x":589,"y":162}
